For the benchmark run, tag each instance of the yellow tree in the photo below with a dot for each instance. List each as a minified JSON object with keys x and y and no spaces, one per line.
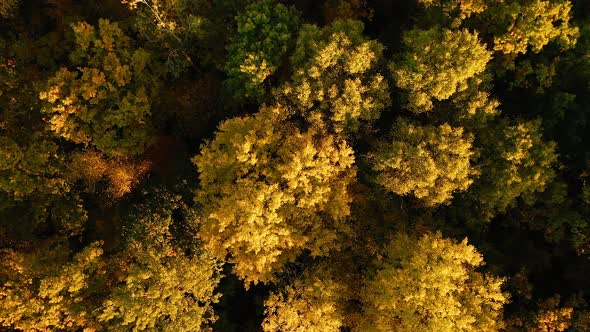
{"x":457,"y":10}
{"x":520,"y":24}
{"x":432,"y":284}
{"x":427,"y":162}
{"x":105,"y":100}
{"x":42,"y":291}
{"x":270,"y":191}
{"x":337,"y":78}
{"x":312,"y":302}
{"x":160,"y":284}
{"x":436,"y":64}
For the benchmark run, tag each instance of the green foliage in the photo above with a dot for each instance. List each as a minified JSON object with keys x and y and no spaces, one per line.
{"x":105,"y":101}
{"x":270,"y":191}
{"x":520,"y":24}
{"x":436,"y":64}
{"x":431,"y":284}
{"x":33,"y":169}
{"x":42,"y":290}
{"x":161,"y":286}
{"x":427,"y":162}
{"x":336,"y":77}
{"x":264,"y":31}
{"x":516,"y":163}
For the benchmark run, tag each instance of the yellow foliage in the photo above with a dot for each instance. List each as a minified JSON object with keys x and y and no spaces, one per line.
{"x":123,"y":174}
{"x":311,"y":303}
{"x":270,"y":191}
{"x":44,"y":293}
{"x":532,"y":23}
{"x":458,"y":10}
{"x":551,"y":318}
{"x":337,"y":79}
{"x":103,"y":101}
{"x":430,"y":163}
{"x":436,"y":64}
{"x":431,"y":284}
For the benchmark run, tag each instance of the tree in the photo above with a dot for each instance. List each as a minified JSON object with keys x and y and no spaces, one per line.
{"x":123,"y":174}
{"x":264,"y":31}
{"x":270,"y":191}
{"x":428,"y":162}
{"x":336,"y":79}
{"x":8,"y":7}
{"x":161,"y":285}
{"x":312,"y":302}
{"x":35,"y":168}
{"x":42,"y":290}
{"x":436,"y":64}
{"x":458,"y":10}
{"x":474,"y":107}
{"x":515,"y":163}
{"x":174,"y":25}
{"x":105,"y":101}
{"x":518,"y":24}
{"x":431,"y":284}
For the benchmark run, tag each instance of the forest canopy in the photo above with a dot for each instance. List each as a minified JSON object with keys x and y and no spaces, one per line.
{"x":294,"y":165}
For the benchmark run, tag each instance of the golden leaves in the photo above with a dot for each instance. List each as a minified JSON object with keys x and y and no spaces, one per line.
{"x":265,"y":185}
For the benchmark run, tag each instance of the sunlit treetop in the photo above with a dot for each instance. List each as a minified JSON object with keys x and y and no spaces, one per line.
{"x":520,"y":24}
{"x":160,"y":286}
{"x":427,"y":162}
{"x":104,"y":100}
{"x":437,"y":63}
{"x":337,"y":79}
{"x":42,"y":290}
{"x":270,"y":191}
{"x":264,"y":31}
{"x":312,"y":302}
{"x":432,"y":284}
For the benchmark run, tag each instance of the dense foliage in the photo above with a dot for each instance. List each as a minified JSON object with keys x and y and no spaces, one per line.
{"x":294,"y":165}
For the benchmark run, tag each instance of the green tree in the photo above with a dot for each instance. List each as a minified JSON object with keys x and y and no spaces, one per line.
{"x":270,"y":191}
{"x":519,"y":24}
{"x":42,"y":291}
{"x":336,"y":79}
{"x":432,"y":284}
{"x":515,"y":163}
{"x":427,"y":162}
{"x":105,"y":101}
{"x":161,"y":285}
{"x":264,"y":31}
{"x":436,"y":64}
{"x":31,"y":169}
